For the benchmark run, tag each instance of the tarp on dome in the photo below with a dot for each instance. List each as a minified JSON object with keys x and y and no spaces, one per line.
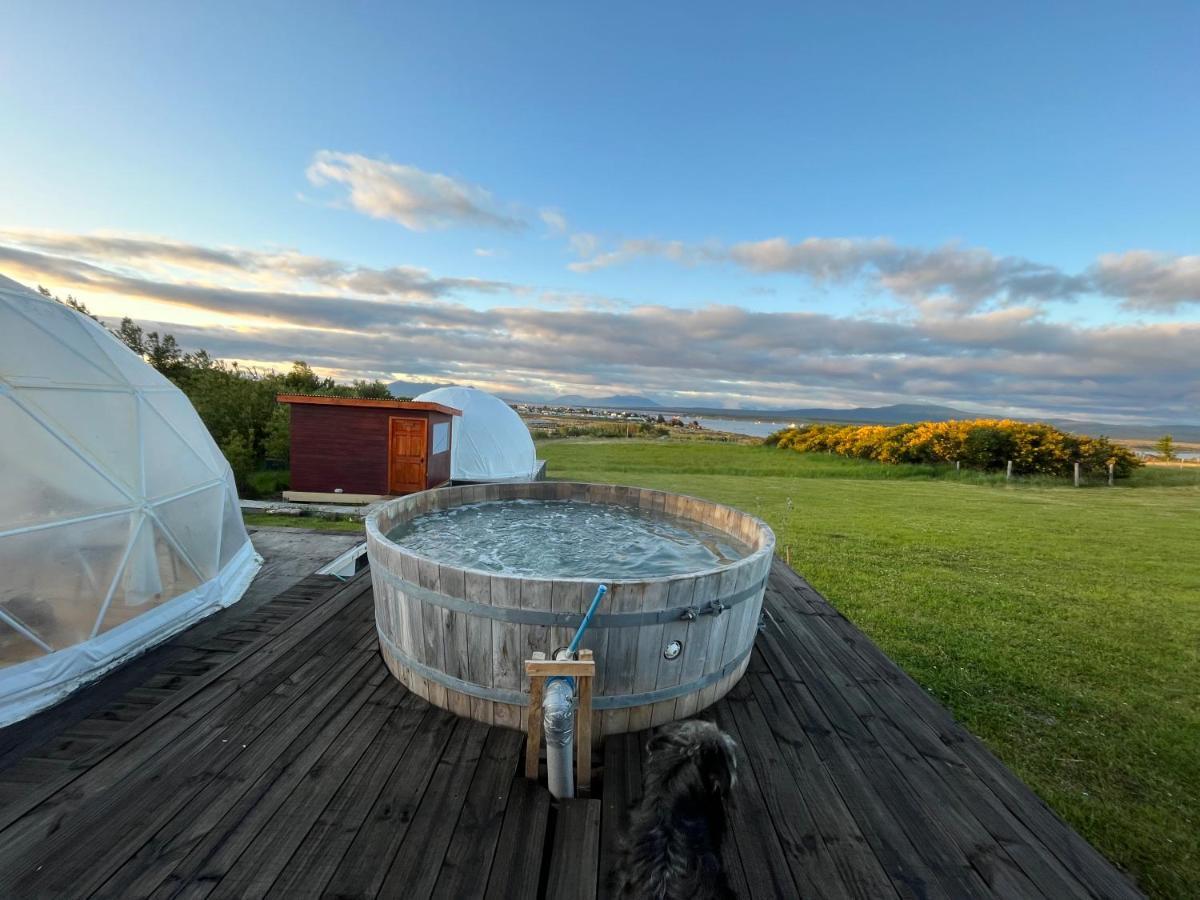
{"x":119,"y":520}
{"x":489,"y":440}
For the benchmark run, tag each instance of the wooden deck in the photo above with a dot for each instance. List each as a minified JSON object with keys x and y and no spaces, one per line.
{"x":269,"y":753}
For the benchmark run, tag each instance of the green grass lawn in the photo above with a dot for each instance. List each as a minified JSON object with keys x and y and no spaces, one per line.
{"x":1061,"y":625}
{"x":315,"y":522}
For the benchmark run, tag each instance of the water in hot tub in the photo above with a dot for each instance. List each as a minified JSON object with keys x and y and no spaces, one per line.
{"x":567,"y":539}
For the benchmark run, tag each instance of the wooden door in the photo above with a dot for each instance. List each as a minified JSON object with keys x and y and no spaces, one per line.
{"x":406,"y":455}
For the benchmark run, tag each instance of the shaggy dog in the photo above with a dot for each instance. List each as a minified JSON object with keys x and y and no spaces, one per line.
{"x":673,"y":848}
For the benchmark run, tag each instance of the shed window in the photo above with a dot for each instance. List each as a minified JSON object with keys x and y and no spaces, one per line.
{"x":441,"y":437}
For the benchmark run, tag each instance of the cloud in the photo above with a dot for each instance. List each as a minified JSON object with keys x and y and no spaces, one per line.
{"x":416,"y":199}
{"x":134,"y":248}
{"x":676,"y":251}
{"x":584,"y":244}
{"x":970,"y":276}
{"x":949,"y":279}
{"x":555,"y":220}
{"x":1147,"y":281}
{"x":766,"y":358}
{"x":580,"y":300}
{"x":73,"y":257}
{"x":822,"y":259}
{"x":404,"y":321}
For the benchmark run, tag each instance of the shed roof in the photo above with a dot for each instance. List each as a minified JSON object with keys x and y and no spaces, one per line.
{"x":318,"y":400}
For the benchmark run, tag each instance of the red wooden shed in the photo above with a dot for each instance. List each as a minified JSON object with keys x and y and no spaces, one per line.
{"x":372,"y":447}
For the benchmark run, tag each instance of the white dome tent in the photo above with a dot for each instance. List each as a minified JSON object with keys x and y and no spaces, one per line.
{"x":490,"y":442}
{"x":119,"y":520}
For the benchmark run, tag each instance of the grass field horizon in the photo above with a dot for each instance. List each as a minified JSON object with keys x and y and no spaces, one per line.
{"x":1059,"y":624}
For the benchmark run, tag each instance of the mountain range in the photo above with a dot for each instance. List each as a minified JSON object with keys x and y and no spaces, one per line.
{"x":411,"y":389}
{"x":616,"y":400}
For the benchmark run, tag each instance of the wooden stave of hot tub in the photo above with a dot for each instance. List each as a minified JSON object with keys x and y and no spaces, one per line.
{"x":438,"y":641}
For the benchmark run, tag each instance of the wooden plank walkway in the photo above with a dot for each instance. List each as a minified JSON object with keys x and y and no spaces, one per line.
{"x":271,"y":754}
{"x":289,"y":555}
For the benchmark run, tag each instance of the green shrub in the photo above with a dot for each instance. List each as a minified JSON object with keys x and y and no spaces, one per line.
{"x":1034,"y":448}
{"x":988,"y":447}
{"x":240,"y":455}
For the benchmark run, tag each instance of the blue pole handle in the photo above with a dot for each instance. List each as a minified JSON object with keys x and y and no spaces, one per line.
{"x":575,"y":641}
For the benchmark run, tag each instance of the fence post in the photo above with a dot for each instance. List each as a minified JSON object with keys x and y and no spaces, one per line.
{"x":956,"y":465}
{"x":1110,"y":474}
{"x":1076,"y":474}
{"x":1008,"y":474}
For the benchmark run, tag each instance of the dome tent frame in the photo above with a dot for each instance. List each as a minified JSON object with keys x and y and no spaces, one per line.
{"x":120,"y":505}
{"x":490,"y":442}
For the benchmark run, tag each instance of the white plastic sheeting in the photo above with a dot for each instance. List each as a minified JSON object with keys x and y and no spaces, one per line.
{"x":119,"y":520}
{"x":490,"y":442}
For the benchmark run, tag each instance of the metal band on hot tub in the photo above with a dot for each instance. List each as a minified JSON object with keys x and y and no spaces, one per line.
{"x":520,"y":616}
{"x":610,"y":701}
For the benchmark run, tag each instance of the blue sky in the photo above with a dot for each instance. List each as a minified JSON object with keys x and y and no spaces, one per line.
{"x":612,"y":169}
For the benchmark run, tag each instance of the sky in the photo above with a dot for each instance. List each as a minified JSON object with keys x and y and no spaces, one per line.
{"x":993,"y":207}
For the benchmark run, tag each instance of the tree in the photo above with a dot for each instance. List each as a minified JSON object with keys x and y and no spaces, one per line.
{"x":303,"y":380}
{"x":130,"y":334}
{"x":277,"y":443}
{"x":1166,"y":447}
{"x":370,"y":390}
{"x":165,"y":354}
{"x":240,"y":455}
{"x":78,"y":305}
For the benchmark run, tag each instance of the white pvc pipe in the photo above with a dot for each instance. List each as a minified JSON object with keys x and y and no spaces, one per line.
{"x":558,"y":724}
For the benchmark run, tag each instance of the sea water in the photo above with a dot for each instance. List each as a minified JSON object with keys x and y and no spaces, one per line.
{"x":567,"y":539}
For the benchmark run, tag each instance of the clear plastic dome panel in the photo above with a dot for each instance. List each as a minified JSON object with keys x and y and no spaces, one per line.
{"x":44,"y":480}
{"x":25,"y":351}
{"x":59,"y":599}
{"x":194,"y":521}
{"x":128,"y":365}
{"x":232,"y":530}
{"x":104,"y":429}
{"x":154,"y":573}
{"x":174,"y":407}
{"x":173,"y":467}
{"x":15,"y":646}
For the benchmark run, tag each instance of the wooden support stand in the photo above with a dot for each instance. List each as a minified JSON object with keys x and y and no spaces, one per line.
{"x":582,"y":670}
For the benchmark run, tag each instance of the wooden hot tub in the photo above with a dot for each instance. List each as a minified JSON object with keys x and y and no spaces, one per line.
{"x":459,"y":637}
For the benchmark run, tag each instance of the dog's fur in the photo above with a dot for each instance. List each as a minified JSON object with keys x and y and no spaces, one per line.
{"x":673,"y":848}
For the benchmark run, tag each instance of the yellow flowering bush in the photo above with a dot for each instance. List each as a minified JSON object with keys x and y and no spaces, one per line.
{"x":1034,"y":448}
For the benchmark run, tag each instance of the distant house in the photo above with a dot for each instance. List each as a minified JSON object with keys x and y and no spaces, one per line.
{"x":371,"y":448}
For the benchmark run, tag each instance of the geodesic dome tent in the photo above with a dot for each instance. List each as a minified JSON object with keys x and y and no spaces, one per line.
{"x":490,"y":442}
{"x":119,"y":520}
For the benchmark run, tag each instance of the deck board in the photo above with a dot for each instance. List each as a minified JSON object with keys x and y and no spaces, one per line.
{"x":473,"y":846}
{"x":518,"y":863}
{"x":268,"y":752}
{"x":573,"y":865}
